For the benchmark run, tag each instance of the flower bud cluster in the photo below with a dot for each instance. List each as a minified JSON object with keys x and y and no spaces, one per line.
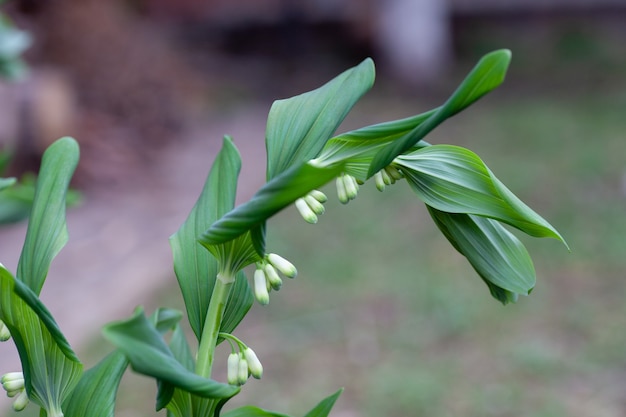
{"x":266,"y":276}
{"x":13,"y":384}
{"x":347,"y":188}
{"x":387,"y":176}
{"x":4,"y":332}
{"x":243,"y":364}
{"x":311,"y":205}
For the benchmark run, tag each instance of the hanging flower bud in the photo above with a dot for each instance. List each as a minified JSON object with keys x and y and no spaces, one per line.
{"x":21,"y":401}
{"x":260,"y":287}
{"x":305,"y":210}
{"x":316,"y":206}
{"x":4,"y":332}
{"x":12,"y":381}
{"x":254,"y":364}
{"x":282,"y":265}
{"x":341,"y":190}
{"x":378,"y":180}
{"x":386,"y":178}
{"x":233,"y":369}
{"x":394,"y":173}
{"x":319,"y":196}
{"x":272,"y":277}
{"x":242,"y":374}
{"x":352,"y":188}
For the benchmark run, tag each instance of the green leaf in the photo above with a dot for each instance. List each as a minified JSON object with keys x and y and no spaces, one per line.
{"x":51,"y":369}
{"x":196,"y":268}
{"x":455,"y":180}
{"x":148,"y":354}
{"x":322,"y":409}
{"x":95,"y":394}
{"x":274,"y":196}
{"x":47,"y":231}
{"x":298,"y":127}
{"x":498,"y":257}
{"x":486,"y":75}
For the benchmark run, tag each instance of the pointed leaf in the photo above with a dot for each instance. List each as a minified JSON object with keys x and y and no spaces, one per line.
{"x":455,"y":180}
{"x":51,"y":369}
{"x":298,"y":127}
{"x":322,"y":409}
{"x":486,"y":75}
{"x":499,"y":257}
{"x":47,"y":230}
{"x":95,"y":394}
{"x":195,"y":267}
{"x":148,"y":354}
{"x":274,"y":196}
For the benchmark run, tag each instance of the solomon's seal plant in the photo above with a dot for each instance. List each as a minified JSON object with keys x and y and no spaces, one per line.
{"x":217,"y":241}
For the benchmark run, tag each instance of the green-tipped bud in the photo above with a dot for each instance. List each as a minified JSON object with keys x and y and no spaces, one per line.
{"x":394,"y":173}
{"x":21,"y":401}
{"x":254,"y":364}
{"x":272,"y":277}
{"x":352,"y":188}
{"x":242,"y":374}
{"x":282,"y":265}
{"x":341,"y":190}
{"x":316,"y":206}
{"x":12,"y":381}
{"x":261,"y":293}
{"x":319,"y":196}
{"x":305,"y":211}
{"x":4,"y":332}
{"x":386,"y":178}
{"x":233,"y":369}
{"x":378,"y":180}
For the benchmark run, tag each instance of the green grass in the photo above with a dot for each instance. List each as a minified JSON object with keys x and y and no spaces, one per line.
{"x":386,"y":308}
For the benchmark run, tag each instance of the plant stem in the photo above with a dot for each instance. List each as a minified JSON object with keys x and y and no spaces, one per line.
{"x":212,"y":323}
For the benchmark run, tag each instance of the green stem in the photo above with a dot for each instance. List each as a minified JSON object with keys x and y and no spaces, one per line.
{"x":212,"y":323}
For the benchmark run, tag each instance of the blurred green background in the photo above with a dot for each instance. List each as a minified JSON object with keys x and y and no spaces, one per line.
{"x":385,"y":307}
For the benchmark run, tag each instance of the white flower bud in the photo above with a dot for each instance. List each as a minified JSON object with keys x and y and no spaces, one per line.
{"x":319,"y":196}
{"x":260,"y":287}
{"x":316,"y":206}
{"x":4,"y":332}
{"x":378,"y":180}
{"x":386,"y":178}
{"x":305,"y":211}
{"x":233,"y":369}
{"x":12,"y":381}
{"x":352,"y":188}
{"x":272,"y":277}
{"x":282,"y":265}
{"x":242,"y":374}
{"x":341,"y":190}
{"x":21,"y":401}
{"x":254,"y":364}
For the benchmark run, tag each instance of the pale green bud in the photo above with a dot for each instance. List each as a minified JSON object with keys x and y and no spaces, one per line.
{"x":378,"y":180}
{"x":305,"y":211}
{"x":254,"y":364}
{"x":4,"y":332}
{"x":341,"y":190}
{"x":12,"y":381}
{"x":386,"y":178}
{"x":233,"y":369}
{"x":319,"y":196}
{"x":272,"y":277}
{"x":316,"y":206}
{"x":242,"y":374}
{"x":261,"y":293}
{"x":282,"y":265}
{"x":352,"y":188}
{"x":394,"y":172}
{"x":21,"y":401}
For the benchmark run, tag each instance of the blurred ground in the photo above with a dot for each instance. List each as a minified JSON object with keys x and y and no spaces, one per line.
{"x":417,"y":334}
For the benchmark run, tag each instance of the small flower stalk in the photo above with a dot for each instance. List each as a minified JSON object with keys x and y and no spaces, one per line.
{"x":311,"y":205}
{"x":13,"y":384}
{"x":347,"y":188}
{"x":243,"y":363}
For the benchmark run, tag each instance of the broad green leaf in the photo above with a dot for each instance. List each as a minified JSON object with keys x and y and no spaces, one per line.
{"x":95,"y":394}
{"x":322,"y":409}
{"x":298,"y":127}
{"x":148,"y":354}
{"x":51,"y":369}
{"x":486,"y":75}
{"x":196,"y":268}
{"x":274,"y":196}
{"x":500,"y":258}
{"x":47,"y":231}
{"x":455,"y":180}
